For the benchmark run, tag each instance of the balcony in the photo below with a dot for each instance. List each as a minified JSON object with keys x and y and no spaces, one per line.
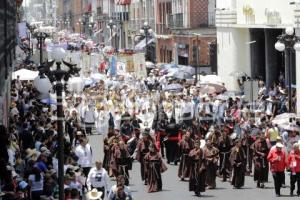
{"x":225,"y":17}
{"x":175,"y":21}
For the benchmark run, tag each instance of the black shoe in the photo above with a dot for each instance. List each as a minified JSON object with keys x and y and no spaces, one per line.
{"x":182,"y":179}
{"x":175,"y":163}
{"x":168,"y":161}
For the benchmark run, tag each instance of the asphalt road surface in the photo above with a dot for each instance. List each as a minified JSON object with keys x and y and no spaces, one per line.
{"x":174,"y":189}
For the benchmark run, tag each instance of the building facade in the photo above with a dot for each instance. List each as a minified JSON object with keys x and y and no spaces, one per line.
{"x":8,"y":17}
{"x":247,"y":31}
{"x":182,"y":25}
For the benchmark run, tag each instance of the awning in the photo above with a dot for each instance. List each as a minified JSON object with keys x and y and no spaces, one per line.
{"x":142,"y":44}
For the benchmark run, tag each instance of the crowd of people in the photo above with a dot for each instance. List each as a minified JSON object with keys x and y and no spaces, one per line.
{"x":206,"y":134}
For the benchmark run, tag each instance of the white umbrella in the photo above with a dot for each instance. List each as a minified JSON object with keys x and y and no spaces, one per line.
{"x":284,"y":118}
{"x":213,"y":79}
{"x":98,"y":76}
{"x":76,"y":84}
{"x":25,"y":74}
{"x":237,"y":74}
{"x":150,"y":65}
{"x":291,"y":127}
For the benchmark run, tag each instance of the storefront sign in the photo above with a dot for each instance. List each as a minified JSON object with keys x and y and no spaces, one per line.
{"x":273,"y":17}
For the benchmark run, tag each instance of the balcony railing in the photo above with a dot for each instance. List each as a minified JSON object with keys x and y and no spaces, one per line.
{"x":162,"y":29}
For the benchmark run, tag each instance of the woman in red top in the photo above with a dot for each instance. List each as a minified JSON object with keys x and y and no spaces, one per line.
{"x":293,"y":163}
{"x":277,"y":163}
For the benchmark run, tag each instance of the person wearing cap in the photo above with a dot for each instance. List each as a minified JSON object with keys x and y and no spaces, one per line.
{"x":277,"y":159}
{"x":238,"y":162}
{"x":141,"y":150}
{"x":198,"y":170}
{"x":98,"y":178}
{"x":293,"y":163}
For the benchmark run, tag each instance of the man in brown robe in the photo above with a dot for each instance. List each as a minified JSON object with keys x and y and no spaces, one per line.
{"x":154,"y":167}
{"x":142,"y":150}
{"x":211,"y":154}
{"x":122,"y":159}
{"x":238,"y":161}
{"x":261,"y":164}
{"x":198,"y":170}
{"x":224,"y":146}
{"x":185,"y":146}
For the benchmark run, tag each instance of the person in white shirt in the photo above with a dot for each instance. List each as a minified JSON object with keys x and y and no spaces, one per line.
{"x":98,"y":178}
{"x":89,"y":116}
{"x":84,"y":153}
{"x":36,"y":182}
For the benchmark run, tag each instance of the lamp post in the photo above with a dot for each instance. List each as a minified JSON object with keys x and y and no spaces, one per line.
{"x":112,"y":26}
{"x":80,"y":24}
{"x":43,"y":84}
{"x":146,"y":31}
{"x":41,"y":36}
{"x":91,"y":25}
{"x":288,"y":43}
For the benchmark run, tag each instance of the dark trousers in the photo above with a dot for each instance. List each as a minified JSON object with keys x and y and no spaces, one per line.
{"x":295,"y":178}
{"x":89,"y":127}
{"x":102,"y":189}
{"x":278,"y":179}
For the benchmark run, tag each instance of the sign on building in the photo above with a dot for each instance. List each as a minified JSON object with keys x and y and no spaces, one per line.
{"x":140,"y":65}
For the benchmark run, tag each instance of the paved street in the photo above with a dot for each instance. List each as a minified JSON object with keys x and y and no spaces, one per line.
{"x":175,"y":189}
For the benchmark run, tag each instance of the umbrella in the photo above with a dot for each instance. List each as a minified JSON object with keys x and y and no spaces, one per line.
{"x":179,"y":74}
{"x":222,"y":97}
{"x":291,"y":127}
{"x":213,"y":79}
{"x":284,"y":118}
{"x":48,"y":101}
{"x":189,"y":69}
{"x":150,"y":65}
{"x":210,"y":88}
{"x":168,"y":66}
{"x":174,"y":87}
{"x":237,"y":74}
{"x":25,"y":74}
{"x":89,"y":81}
{"x":98,"y":76}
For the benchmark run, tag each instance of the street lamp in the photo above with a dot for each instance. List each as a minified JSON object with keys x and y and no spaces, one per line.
{"x":288,"y":43}
{"x":43,"y":85}
{"x":112,"y":26}
{"x":80,"y":24}
{"x":146,"y":31}
{"x":41,"y":36}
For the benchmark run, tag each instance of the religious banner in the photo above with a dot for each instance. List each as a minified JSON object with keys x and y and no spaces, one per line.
{"x":140,"y":65}
{"x":128,"y":60}
{"x":113,"y":66}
